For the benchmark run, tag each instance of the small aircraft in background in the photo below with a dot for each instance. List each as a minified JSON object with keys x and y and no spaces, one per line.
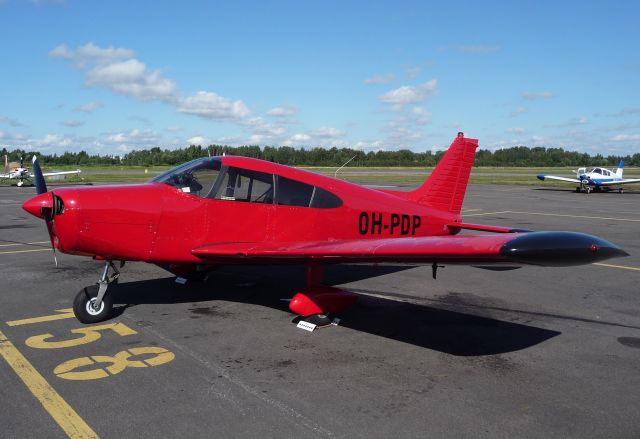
{"x":17,"y":171}
{"x":229,"y":210}
{"x":597,"y":179}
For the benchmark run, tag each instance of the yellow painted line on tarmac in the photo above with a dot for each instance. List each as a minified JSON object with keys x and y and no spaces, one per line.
{"x":26,"y":251}
{"x":66,"y":313}
{"x":557,"y":214}
{"x":24,"y":243}
{"x":67,"y":418}
{"x":623,"y":267}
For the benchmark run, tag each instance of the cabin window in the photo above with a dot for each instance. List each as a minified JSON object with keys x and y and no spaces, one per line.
{"x":239,"y":184}
{"x":597,"y":171}
{"x":324,"y":199}
{"x":293,"y":193}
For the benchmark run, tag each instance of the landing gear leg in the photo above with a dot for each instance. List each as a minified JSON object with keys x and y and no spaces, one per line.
{"x":93,"y":305}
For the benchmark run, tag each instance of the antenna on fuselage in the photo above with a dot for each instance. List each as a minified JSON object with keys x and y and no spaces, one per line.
{"x":335,"y":174}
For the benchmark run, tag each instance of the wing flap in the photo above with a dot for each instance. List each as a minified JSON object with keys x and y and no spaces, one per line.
{"x":463,"y":249}
{"x":534,"y":248}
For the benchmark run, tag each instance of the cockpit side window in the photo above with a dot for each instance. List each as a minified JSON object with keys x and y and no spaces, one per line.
{"x":597,"y":171}
{"x":196,"y":177}
{"x":238,"y":184}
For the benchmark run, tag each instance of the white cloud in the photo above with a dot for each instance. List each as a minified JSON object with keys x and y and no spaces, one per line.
{"x":117,"y":70}
{"x":518,"y":111}
{"x":72,"y":123}
{"x":213,"y":106}
{"x":136,"y":137}
{"x":535,"y":95}
{"x":516,"y":130}
{"x":89,"y":108}
{"x":173,"y":128}
{"x":421,"y":116}
{"x":380,"y":79}
{"x":283,"y":111}
{"x":299,"y":138}
{"x":91,"y":54}
{"x":327,"y":133}
{"x":408,"y":94}
{"x":413,"y":71}
{"x":132,"y":78}
{"x":198,"y":140}
{"x":323,"y":137}
{"x":626,"y":137}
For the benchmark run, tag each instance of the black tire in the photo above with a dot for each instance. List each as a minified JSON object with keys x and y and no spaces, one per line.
{"x":82,"y":302}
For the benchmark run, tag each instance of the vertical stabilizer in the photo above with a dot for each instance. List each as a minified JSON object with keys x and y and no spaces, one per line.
{"x":6,"y":164}
{"x":447,"y":184}
{"x":619,"y":170}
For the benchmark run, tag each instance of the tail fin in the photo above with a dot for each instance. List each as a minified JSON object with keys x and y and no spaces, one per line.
{"x":6,"y":164}
{"x":447,"y":184}
{"x":619,"y":170}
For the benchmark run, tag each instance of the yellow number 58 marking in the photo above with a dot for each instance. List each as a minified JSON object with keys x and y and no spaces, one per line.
{"x":88,"y":335}
{"x":119,"y":362}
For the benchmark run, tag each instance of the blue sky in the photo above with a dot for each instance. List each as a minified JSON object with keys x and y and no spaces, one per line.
{"x":113,"y":76}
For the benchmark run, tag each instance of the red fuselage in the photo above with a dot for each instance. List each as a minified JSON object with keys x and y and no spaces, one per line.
{"x":159,"y":223}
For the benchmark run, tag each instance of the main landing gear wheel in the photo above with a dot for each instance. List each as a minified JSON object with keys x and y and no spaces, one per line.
{"x":84,"y":306}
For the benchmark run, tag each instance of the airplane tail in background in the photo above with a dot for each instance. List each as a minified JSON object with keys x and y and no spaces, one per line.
{"x":447,"y":184}
{"x":619,"y":170}
{"x":6,"y":164}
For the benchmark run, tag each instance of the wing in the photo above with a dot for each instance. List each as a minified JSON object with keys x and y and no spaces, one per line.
{"x":624,"y":181}
{"x":536,"y":248}
{"x":553,"y":177}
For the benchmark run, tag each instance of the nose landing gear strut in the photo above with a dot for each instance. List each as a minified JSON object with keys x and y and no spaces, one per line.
{"x":93,"y":304}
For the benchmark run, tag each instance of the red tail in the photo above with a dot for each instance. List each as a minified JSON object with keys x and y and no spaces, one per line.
{"x":447,"y":184}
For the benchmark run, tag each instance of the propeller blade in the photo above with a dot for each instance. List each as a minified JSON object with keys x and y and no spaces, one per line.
{"x":41,"y":186}
{"x":47,"y":213}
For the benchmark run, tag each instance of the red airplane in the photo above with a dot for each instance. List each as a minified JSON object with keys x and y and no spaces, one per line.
{"x":235,"y":210}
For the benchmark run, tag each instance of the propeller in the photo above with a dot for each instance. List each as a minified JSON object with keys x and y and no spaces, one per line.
{"x":47,"y":212}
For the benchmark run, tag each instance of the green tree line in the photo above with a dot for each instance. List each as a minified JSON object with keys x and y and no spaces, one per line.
{"x":515,"y":156}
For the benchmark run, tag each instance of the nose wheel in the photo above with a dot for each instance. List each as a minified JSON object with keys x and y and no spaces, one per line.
{"x":93,"y":304}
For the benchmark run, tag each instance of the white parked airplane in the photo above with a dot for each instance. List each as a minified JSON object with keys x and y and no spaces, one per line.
{"x":597,"y":179}
{"x":15,"y":171}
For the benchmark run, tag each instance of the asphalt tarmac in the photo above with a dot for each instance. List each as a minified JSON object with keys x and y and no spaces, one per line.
{"x":531,"y":353}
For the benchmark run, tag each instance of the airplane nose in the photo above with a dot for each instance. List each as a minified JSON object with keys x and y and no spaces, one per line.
{"x":35,"y":205}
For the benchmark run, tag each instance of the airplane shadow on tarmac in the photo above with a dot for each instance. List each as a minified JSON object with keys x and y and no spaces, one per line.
{"x":429,"y":327}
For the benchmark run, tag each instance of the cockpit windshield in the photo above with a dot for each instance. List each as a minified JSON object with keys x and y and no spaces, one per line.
{"x":196,"y":177}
